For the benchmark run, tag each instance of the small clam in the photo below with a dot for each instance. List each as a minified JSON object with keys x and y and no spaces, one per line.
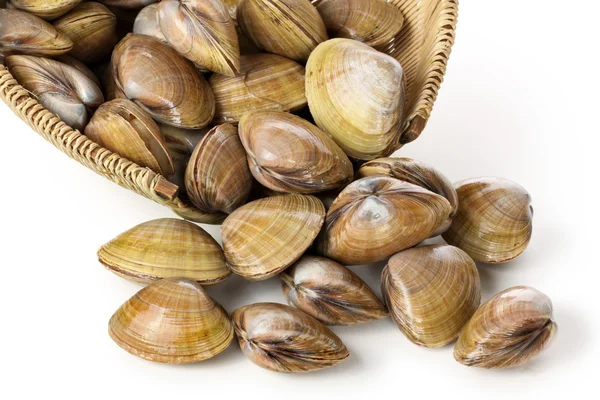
{"x":81,"y":67}
{"x":172,"y":321}
{"x":146,"y":23}
{"x":217,"y":179}
{"x":46,"y":9}
{"x":330,"y":292}
{"x":60,"y":88}
{"x":356,"y":94}
{"x":290,"y":28}
{"x":93,"y":30}
{"x":508,"y":330}
{"x":493,"y":223}
{"x":155,"y":77}
{"x":432,"y":292}
{"x":415,"y":172}
{"x":376,"y":217}
{"x":165,"y":248}
{"x":373,"y":22}
{"x":203,"y":32}
{"x":128,"y":3}
{"x":265,"y":236}
{"x":283,"y":339}
{"x":289,"y":154}
{"x":266,"y":82}
{"x":124,"y":128}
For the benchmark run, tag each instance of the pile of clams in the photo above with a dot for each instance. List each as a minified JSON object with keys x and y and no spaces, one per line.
{"x":277,"y":119}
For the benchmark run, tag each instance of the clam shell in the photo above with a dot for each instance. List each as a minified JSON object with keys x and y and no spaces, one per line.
{"x":46,"y":9}
{"x":415,"y":172}
{"x":330,"y":292}
{"x":217,"y":178}
{"x":62,"y":89}
{"x":376,"y":217}
{"x":165,"y":248}
{"x":264,"y":237}
{"x":126,"y":129}
{"x":289,"y":154}
{"x":508,"y":330}
{"x":159,"y":80}
{"x":75,"y":63}
{"x":266,"y":82}
{"x":493,"y":223}
{"x":283,"y":339}
{"x":290,"y":28}
{"x":432,"y":292}
{"x":146,"y":23}
{"x":356,"y":94}
{"x":172,"y":321}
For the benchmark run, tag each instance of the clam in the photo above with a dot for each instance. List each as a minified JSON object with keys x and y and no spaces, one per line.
{"x":203,"y":32}
{"x":93,"y":30}
{"x":24,"y":33}
{"x":146,"y":23}
{"x":290,"y":28}
{"x":330,"y":292}
{"x":373,"y":22}
{"x":432,"y":292}
{"x":265,"y":236}
{"x":289,"y":154}
{"x":124,"y":128}
{"x":47,"y":9}
{"x":165,"y":248}
{"x":283,"y":339}
{"x":266,"y":82}
{"x":376,"y":217}
{"x":128,"y":3}
{"x":217,"y":179}
{"x":493,"y":223}
{"x":172,"y":321}
{"x":415,"y":172}
{"x":356,"y":94}
{"x":60,"y":88}
{"x":508,"y":330}
{"x":155,"y":77}
{"x":81,"y":67}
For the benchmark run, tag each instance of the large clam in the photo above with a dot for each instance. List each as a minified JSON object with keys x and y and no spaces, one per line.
{"x":172,"y":321}
{"x":283,"y":339}
{"x":432,"y":292}
{"x":291,"y":155}
{"x":356,"y":94}
{"x":508,"y":330}
{"x":493,"y":223}
{"x":376,"y":217}
{"x":46,"y":9}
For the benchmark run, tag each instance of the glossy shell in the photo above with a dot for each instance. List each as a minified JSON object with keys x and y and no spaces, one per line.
{"x":75,"y":63}
{"x":508,"y":330}
{"x":330,"y":292}
{"x":284,"y":339}
{"x":432,"y":292}
{"x":46,"y":9}
{"x":172,"y":321}
{"x":146,"y":23}
{"x":264,"y":237}
{"x":493,"y":223}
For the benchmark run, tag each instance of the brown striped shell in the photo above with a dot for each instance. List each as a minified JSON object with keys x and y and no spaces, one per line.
{"x":46,"y":9}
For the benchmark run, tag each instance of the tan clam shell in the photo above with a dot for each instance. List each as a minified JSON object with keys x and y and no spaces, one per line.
{"x":357,"y":95}
{"x":376,"y":217}
{"x":46,"y":9}
{"x":172,"y":321}
{"x":60,"y":88}
{"x":265,"y":236}
{"x":432,"y":292}
{"x":217,"y":178}
{"x":165,"y":248}
{"x":146,"y":23}
{"x":155,"y":77}
{"x":266,"y":82}
{"x":330,"y":292}
{"x":493,"y":223}
{"x":415,"y":172}
{"x":373,"y":22}
{"x":290,"y":28}
{"x":124,"y":128}
{"x":283,"y":339}
{"x":291,"y":155}
{"x":92,"y":28}
{"x":75,"y":63}
{"x":203,"y":32}
{"x":508,"y":330}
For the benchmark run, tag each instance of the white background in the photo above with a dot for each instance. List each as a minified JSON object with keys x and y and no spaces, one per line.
{"x":520,"y":100}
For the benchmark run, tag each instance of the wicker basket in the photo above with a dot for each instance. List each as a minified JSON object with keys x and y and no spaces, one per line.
{"x":422,"y":47}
